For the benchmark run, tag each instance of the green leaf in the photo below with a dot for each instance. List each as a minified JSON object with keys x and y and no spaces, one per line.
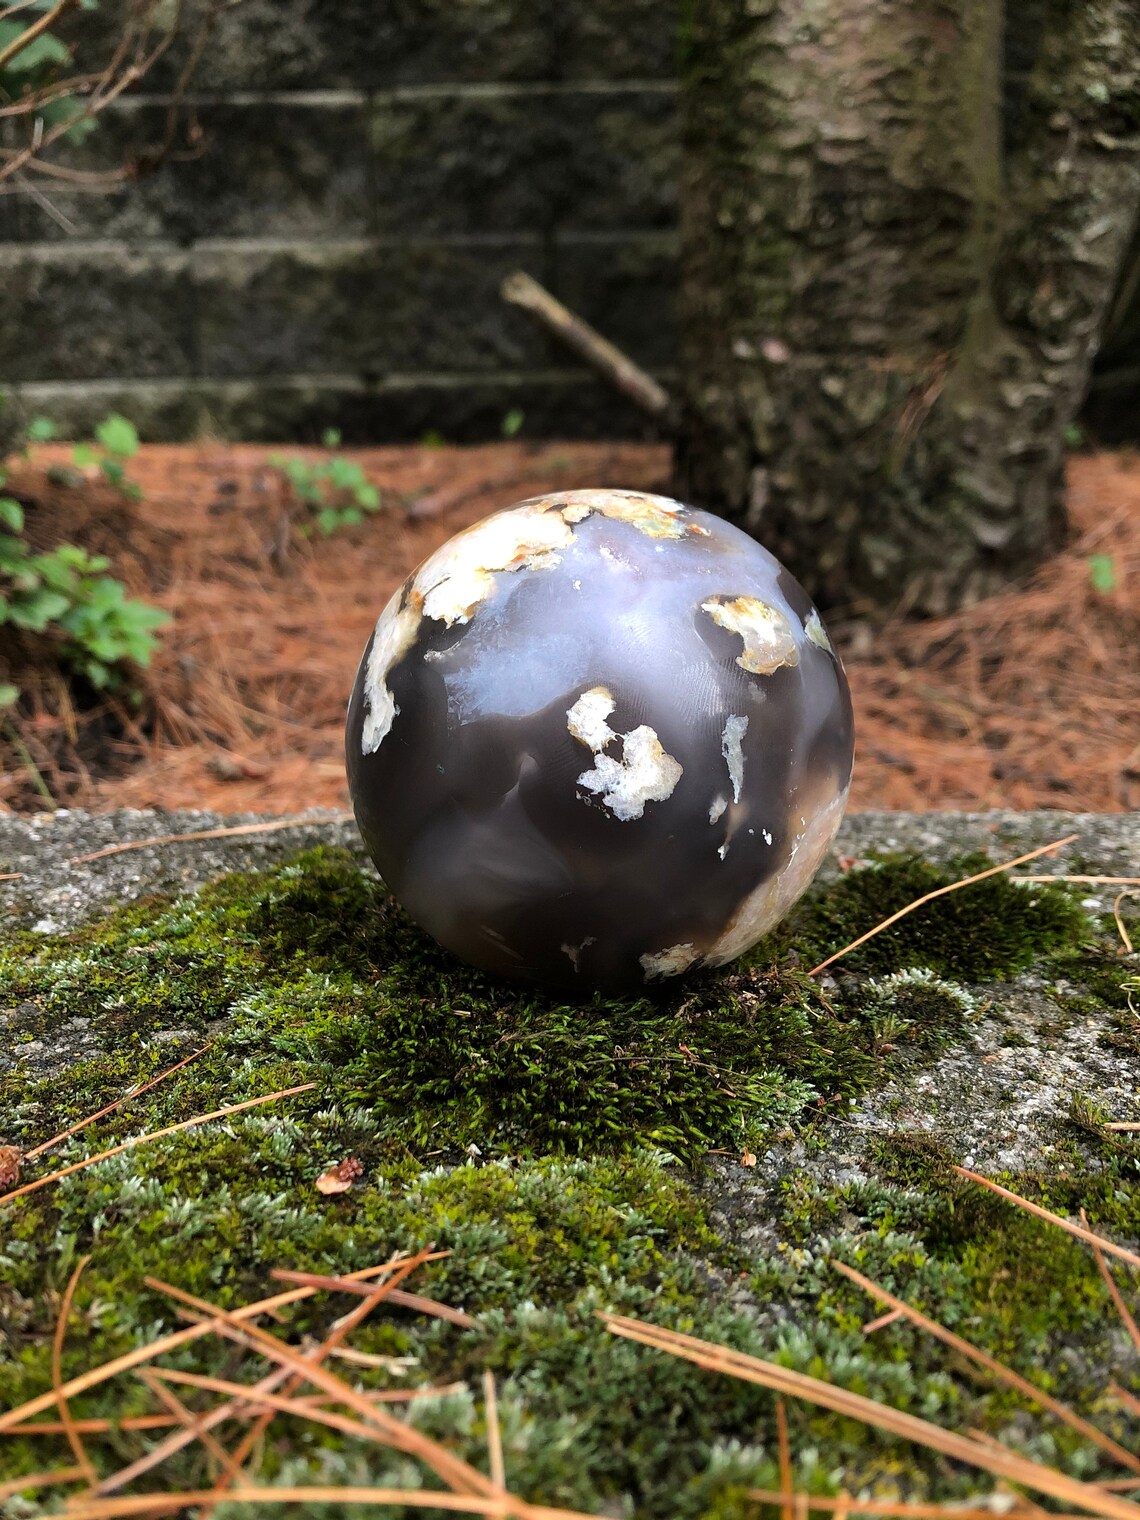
{"x":1102,"y":573}
{"x":9,"y":694}
{"x":41,"y":430}
{"x":42,"y":52}
{"x":1074,"y":435}
{"x":118,"y":436}
{"x":11,"y":514}
{"x":83,"y":455}
{"x":368,"y":497}
{"x":346,"y":474}
{"x":513,"y":421}
{"x":350,"y":516}
{"x":38,"y":610}
{"x":328,"y":520}
{"x":331,"y":438}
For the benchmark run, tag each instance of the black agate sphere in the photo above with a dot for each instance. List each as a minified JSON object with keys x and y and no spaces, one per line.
{"x":599,"y":739}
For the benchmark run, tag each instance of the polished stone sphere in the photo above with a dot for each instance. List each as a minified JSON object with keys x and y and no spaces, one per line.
{"x":599,"y":739}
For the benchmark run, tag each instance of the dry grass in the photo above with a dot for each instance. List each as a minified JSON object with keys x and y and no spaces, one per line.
{"x":1030,"y":699}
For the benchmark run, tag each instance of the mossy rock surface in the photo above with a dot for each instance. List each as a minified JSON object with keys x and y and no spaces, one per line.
{"x":698,"y":1157}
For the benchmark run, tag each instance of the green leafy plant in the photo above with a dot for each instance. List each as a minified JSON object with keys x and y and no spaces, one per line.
{"x":116,"y":443}
{"x":64,"y":593}
{"x":513,"y":421}
{"x":1102,"y":573}
{"x":336,"y":490}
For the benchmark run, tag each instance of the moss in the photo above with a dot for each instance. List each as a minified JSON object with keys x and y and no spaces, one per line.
{"x":989,"y":931}
{"x":531,"y":1139}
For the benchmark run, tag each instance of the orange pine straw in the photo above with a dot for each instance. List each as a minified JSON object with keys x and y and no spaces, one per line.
{"x":137,"y":1092}
{"x":158,"y":1134}
{"x":40,"y":1480}
{"x":882,"y":1322}
{"x":940,"y":892}
{"x":97,"y":1427}
{"x":430,"y":1306}
{"x":83,"y":1461}
{"x":379,"y":1293}
{"x":189,"y":1421}
{"x":1062,"y":1224}
{"x":844,"y":1504}
{"x":1122,"y":1309}
{"x":1129,"y":947}
{"x":11,"y":875}
{"x":223,"y":833}
{"x":452,"y":1470}
{"x":1107,"y":881}
{"x":236,"y":1408}
{"x":1012,"y":1379}
{"x":495,"y":1462}
{"x":1000,"y":1461}
{"x":413,"y":1498}
{"x":785,"y":1456}
{"x":12,"y":1418}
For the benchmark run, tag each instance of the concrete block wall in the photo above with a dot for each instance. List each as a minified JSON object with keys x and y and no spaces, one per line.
{"x":333,"y":257}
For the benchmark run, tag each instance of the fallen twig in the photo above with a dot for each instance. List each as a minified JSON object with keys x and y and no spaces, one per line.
{"x":158,"y":1134}
{"x":602,"y":355}
{"x":226,"y":833}
{"x":940,"y":892}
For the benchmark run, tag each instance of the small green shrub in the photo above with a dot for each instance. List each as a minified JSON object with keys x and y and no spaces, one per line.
{"x":64,"y":592}
{"x":336,"y":490}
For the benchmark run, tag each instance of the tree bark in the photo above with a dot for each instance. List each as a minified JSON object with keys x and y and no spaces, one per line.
{"x":891,"y":304}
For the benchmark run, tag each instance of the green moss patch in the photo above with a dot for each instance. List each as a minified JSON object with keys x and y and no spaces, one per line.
{"x":554,"y":1150}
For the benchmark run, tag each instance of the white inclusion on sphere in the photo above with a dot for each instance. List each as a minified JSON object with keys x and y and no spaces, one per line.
{"x":586,"y":720}
{"x":719,"y":804}
{"x":395,"y":634}
{"x":645,"y":773}
{"x":573,"y":952}
{"x":816,"y":632}
{"x":671,"y":962}
{"x":764,"y":631}
{"x":731,"y":740}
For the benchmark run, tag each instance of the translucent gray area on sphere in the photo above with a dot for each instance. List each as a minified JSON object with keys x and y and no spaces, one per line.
{"x":597,"y":740}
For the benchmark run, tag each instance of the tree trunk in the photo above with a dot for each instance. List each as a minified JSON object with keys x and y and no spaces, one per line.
{"x":890,"y":305}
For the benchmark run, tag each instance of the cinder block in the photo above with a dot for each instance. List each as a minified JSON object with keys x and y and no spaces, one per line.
{"x":82,"y":313}
{"x":626,"y":286}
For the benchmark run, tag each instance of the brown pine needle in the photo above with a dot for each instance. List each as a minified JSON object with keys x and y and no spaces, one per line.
{"x":239,"y":1408}
{"x":377,"y":1293}
{"x":15,"y":1486}
{"x":1122,"y":1309}
{"x":189,"y":1421}
{"x":226,"y":833}
{"x":11,"y":875}
{"x":430,"y":1306}
{"x":136,"y":1092}
{"x":999,"y":1461}
{"x":495,"y":1461}
{"x":1107,"y":881}
{"x":12,"y":1419}
{"x":1122,"y":1125}
{"x":158,"y":1134}
{"x":785,"y":1457}
{"x":882,"y":1322}
{"x":999,"y":1370}
{"x":844,"y":1504}
{"x":413,"y":1498}
{"x":83,"y":1461}
{"x":1062,"y":1224}
{"x":452,"y":1470}
{"x":96,"y":1427}
{"x":1124,"y":935}
{"x":940,"y":892}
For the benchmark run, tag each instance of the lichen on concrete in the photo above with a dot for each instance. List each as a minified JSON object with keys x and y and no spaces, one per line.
{"x":576,"y":1156}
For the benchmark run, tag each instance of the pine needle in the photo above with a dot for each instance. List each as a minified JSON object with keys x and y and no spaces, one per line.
{"x":785,"y":1455}
{"x":135,"y":1092}
{"x":494,"y":1434}
{"x":231,"y":832}
{"x":844,"y":1504}
{"x":1056,"y":1219}
{"x":158,"y":1134}
{"x":74,"y":1440}
{"x":940,"y":892}
{"x":999,"y":1370}
{"x":430,"y":1306}
{"x":1001,"y":1462}
{"x":15,"y":1486}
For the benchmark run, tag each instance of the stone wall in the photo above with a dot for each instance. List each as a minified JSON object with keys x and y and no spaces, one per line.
{"x":333,"y":256}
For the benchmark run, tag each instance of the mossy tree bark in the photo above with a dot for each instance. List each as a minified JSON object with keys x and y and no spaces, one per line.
{"x":890,"y":306}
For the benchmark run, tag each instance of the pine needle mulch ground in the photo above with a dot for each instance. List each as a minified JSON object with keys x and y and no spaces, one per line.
{"x":1031,"y":699}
